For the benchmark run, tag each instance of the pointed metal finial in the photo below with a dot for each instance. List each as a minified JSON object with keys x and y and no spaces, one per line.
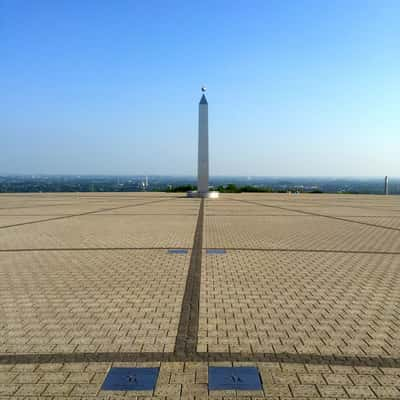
{"x":203,"y":89}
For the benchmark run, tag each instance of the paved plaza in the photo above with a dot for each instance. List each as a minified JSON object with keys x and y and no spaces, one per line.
{"x":307,"y":291}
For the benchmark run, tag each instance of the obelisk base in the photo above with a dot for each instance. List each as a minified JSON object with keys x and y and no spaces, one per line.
{"x":205,"y":195}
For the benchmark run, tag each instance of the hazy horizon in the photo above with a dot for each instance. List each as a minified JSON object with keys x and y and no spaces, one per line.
{"x":195,"y":176}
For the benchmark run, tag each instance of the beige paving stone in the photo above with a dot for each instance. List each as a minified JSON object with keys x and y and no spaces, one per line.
{"x":172,"y":389}
{"x":386,"y":392}
{"x":364,"y":379}
{"x":197,"y":390}
{"x":7,"y":377}
{"x":80,"y":377}
{"x":28,"y":377}
{"x":311,"y":379}
{"x":293,"y":367}
{"x":8,"y":389}
{"x":389,"y":379}
{"x":278,"y":390}
{"x":85,"y":389}
{"x":99,"y":377}
{"x":282,"y":377}
{"x":31,"y":389}
{"x":337,"y":379}
{"x":304,"y":390}
{"x":59,"y":389}
{"x":390,"y":371}
{"x":359,"y":391}
{"x":98,"y":367}
{"x":54,"y":377}
{"x":332,"y":391}
{"x":24,"y":367}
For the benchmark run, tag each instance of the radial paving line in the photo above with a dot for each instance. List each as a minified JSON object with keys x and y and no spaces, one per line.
{"x":91,"y":249}
{"x":186,"y":339}
{"x":295,"y":250}
{"x":270,"y":250}
{"x":319,"y":215}
{"x":365,"y":207}
{"x":145,"y":215}
{"x":81,"y":214}
{"x":277,"y":215}
{"x":107,"y":215}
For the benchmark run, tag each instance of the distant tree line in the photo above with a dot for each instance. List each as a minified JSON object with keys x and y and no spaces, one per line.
{"x":231,"y":188}
{"x":181,"y":188}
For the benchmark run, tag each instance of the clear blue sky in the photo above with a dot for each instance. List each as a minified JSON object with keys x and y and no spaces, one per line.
{"x":111,"y":87}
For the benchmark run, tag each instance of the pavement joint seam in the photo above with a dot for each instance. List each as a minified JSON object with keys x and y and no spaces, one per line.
{"x":187,"y":336}
{"x":320,"y":215}
{"x":308,"y":250}
{"x":96,"y":215}
{"x":291,"y":358}
{"x":91,"y":249}
{"x":364,"y":207}
{"x":80,"y":214}
{"x":283,"y":250}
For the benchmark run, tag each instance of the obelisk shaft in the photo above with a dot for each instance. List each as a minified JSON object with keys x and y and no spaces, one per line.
{"x":202,"y":168}
{"x":386,"y":186}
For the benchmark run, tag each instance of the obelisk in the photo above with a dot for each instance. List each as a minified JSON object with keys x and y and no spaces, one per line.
{"x":202,"y":166}
{"x":202,"y":155}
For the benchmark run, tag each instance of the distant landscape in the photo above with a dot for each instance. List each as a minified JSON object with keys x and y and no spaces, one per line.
{"x":139,"y":183}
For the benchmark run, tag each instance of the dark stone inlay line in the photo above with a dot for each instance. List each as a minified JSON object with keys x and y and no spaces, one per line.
{"x":145,"y":214}
{"x":92,"y":249}
{"x":80,"y":214}
{"x":131,"y":196}
{"x":364,"y":206}
{"x":320,"y":215}
{"x":334,"y":359}
{"x":287,"y":250}
{"x":186,"y":339}
{"x":211,"y":214}
{"x":99,"y":215}
{"x":294,"y":215}
{"x":81,"y":195}
{"x":40,"y":215}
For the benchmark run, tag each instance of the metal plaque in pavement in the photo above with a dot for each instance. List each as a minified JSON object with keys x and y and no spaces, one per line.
{"x":234,"y":378}
{"x":177,"y":251}
{"x":216,"y":251}
{"x":125,"y":379}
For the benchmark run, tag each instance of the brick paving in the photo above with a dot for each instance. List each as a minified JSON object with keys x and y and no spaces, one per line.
{"x":307,"y":292}
{"x":301,"y":302}
{"x":80,"y":301}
